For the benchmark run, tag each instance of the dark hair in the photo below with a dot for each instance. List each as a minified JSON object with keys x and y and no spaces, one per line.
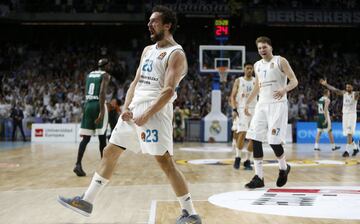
{"x":248,"y":63}
{"x":167,"y":16}
{"x":263,"y":39}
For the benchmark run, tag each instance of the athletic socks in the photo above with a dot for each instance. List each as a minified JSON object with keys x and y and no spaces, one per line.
{"x":96,"y":185}
{"x":237,"y":152}
{"x":258,"y":164}
{"x":347,"y":148}
{"x":282,"y":163}
{"x":187,"y":204}
{"x":316,"y":145}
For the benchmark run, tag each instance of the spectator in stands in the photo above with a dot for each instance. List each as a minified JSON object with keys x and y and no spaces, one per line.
{"x":17,"y":115}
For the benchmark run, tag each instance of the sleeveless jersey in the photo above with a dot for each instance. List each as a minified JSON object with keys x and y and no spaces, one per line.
{"x":93,"y":83}
{"x":349,"y":103}
{"x":152,"y":74}
{"x":244,"y":90}
{"x":271,"y":78}
{"x":321,"y":105}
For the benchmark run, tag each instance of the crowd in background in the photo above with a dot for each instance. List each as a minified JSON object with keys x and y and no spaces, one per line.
{"x":128,"y":6}
{"x":49,"y":83}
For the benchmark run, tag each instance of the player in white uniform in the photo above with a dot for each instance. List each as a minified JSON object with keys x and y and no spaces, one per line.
{"x":271,"y":112}
{"x":146,"y":123}
{"x":349,"y":117}
{"x":240,"y":92}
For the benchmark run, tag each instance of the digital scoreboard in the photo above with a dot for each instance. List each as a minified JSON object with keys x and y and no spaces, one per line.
{"x":221,"y":29}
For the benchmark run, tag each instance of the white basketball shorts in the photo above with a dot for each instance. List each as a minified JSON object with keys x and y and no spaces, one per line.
{"x":244,"y":120}
{"x":349,"y":123}
{"x":269,"y":123}
{"x":155,"y":137}
{"x":235,"y":124}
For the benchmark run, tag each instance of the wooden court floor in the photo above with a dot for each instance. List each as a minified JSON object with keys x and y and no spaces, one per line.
{"x":32,"y":175}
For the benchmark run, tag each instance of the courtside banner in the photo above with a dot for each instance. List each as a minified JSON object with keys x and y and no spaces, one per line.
{"x":306,"y":133}
{"x":53,"y":132}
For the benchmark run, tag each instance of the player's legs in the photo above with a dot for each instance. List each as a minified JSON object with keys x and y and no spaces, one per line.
{"x":349,"y":125}
{"x":178,"y":183}
{"x":276,"y":137}
{"x":175,"y":176}
{"x":123,"y":137}
{"x":257,"y":133}
{"x":235,"y":147}
{"x":82,"y":147}
{"x":102,"y":143}
{"x":83,"y":204}
{"x":258,"y":180}
{"x":332,"y":141}
{"x":317,"y":139}
{"x":245,"y":153}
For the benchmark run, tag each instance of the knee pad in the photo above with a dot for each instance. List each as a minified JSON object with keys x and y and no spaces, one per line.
{"x":258,"y":150}
{"x":278,"y":150}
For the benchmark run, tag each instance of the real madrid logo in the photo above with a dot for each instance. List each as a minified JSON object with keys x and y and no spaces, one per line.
{"x":143,"y":136}
{"x":215,"y":127}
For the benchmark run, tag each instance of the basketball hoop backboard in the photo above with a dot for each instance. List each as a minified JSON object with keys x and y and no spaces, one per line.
{"x":211,"y":57}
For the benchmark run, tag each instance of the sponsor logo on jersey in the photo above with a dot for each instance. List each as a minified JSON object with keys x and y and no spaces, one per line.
{"x":161,"y":56}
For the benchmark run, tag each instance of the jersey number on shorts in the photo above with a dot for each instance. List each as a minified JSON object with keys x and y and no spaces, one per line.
{"x":151,"y":135}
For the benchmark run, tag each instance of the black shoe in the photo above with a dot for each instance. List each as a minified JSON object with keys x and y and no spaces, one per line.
{"x":336,"y":148}
{"x":237,"y":163}
{"x":316,"y":149}
{"x":356,"y":151}
{"x":283,"y":174}
{"x":256,"y":182}
{"x":247,"y":165}
{"x":79,"y":171}
{"x":345,"y":154}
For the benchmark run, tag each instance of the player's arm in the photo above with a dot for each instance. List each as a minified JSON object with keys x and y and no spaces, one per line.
{"x":252,"y":95}
{"x":293,"y":82}
{"x":331,"y":88}
{"x":127,"y":114}
{"x":233,"y":96}
{"x":103,"y":87}
{"x":357,"y":95}
{"x":176,"y":66}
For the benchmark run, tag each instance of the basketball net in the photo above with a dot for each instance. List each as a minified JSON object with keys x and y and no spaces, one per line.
{"x":223,"y":72}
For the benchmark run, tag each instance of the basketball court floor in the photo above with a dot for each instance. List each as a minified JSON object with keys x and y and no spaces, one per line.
{"x":323,"y":187}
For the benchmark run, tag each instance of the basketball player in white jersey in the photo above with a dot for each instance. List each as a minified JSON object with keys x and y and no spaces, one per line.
{"x":146,"y":123}
{"x":349,"y":117}
{"x":271,"y":112}
{"x":240,"y":92}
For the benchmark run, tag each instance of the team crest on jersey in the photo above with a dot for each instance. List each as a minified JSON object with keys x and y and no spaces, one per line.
{"x":273,"y":131}
{"x":272,"y":65}
{"x":161,"y":56}
{"x":142,"y":136}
